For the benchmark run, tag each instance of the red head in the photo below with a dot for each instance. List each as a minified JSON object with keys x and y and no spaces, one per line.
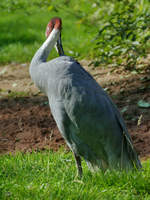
{"x":54,"y":23}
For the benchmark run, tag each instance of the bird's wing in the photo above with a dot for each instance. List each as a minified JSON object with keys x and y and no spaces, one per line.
{"x":97,"y":120}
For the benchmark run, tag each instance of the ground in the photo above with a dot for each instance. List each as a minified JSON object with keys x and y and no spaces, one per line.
{"x":26,"y":123}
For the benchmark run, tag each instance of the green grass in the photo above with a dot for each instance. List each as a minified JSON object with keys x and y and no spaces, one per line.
{"x":22,"y":34}
{"x":118,"y":35}
{"x":47,"y":175}
{"x":14,"y":94}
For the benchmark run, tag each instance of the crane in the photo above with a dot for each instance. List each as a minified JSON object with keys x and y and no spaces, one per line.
{"x":88,"y":120}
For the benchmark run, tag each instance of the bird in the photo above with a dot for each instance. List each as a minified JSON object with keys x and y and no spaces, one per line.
{"x":86,"y":117}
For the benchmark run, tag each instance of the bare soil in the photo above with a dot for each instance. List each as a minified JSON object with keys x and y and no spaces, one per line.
{"x":26,"y":122}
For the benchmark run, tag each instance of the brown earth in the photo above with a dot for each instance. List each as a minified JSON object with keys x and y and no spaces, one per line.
{"x":26,"y":123}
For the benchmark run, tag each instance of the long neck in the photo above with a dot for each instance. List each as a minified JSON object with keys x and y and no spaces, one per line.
{"x":43,"y":52}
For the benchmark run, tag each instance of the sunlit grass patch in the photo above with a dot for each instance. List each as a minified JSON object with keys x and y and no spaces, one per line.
{"x":21,"y":34}
{"x":13,"y":94}
{"x":52,"y":175}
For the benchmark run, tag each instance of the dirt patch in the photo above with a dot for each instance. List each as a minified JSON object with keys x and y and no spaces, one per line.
{"x":26,"y":123}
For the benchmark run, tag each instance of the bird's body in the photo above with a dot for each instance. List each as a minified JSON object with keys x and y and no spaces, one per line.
{"x":86,"y":117}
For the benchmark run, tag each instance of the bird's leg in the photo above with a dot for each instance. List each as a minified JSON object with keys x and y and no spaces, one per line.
{"x":78,"y":164}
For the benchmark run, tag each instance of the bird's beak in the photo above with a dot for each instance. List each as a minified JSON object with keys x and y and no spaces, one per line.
{"x":59,"y":47}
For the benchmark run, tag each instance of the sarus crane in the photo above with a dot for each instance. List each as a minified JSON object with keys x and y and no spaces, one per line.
{"x":86,"y":117}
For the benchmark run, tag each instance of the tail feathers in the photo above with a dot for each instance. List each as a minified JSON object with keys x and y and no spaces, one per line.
{"x":129,"y":154}
{"x":127,"y":160}
{"x":127,"y":145}
{"x":132,"y":155}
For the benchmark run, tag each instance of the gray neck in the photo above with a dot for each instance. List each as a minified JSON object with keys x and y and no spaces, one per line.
{"x":43,"y":52}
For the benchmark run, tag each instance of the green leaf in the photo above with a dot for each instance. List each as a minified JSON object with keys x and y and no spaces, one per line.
{"x":143,"y":104}
{"x":124,"y":109}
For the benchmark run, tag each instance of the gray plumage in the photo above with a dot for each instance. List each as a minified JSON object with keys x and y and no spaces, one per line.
{"x":86,"y":117}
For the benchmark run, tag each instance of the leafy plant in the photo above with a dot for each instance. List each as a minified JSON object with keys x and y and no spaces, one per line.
{"x":123,"y":37}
